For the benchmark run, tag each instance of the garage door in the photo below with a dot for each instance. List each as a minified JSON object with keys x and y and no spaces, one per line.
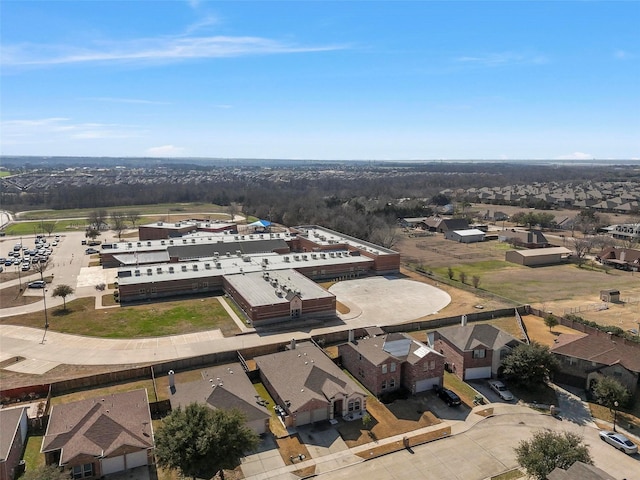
{"x":137,"y":459}
{"x":303,"y":418}
{"x":476,"y":373}
{"x":319,"y":415}
{"x":426,"y":384}
{"x":112,"y":465}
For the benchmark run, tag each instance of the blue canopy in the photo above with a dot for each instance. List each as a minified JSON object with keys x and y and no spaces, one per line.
{"x":260,"y":223}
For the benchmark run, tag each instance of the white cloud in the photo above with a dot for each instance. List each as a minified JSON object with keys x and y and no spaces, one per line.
{"x":503,"y":58}
{"x":576,"y":156}
{"x":151,"y":50}
{"x":165,"y":151}
{"x":63,"y":128}
{"x":623,"y":55}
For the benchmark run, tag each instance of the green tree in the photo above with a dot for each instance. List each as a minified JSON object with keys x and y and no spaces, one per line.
{"x":201,"y":441}
{"x":367,"y":420}
{"x":548,"y":450}
{"x":529,"y":365}
{"x":45,"y":472}
{"x":62,"y":291}
{"x":550,"y":321}
{"x":607,"y":391}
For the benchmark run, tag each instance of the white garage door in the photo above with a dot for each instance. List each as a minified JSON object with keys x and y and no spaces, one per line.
{"x":319,"y":415}
{"x":476,"y":373}
{"x":136,"y":459}
{"x":112,"y":465}
{"x":426,"y":384}
{"x":303,"y":418}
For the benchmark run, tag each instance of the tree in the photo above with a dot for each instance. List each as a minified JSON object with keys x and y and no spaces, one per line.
{"x":92,"y":233}
{"x":62,"y":291}
{"x":548,"y":450}
{"x":133,"y":216}
{"x":475,"y":280}
{"x":367,"y":420}
{"x":550,"y":321}
{"x":49,"y":227}
{"x":201,"y":441}
{"x":607,"y":391}
{"x":529,"y":365}
{"x":463,"y":277}
{"x":118,"y":222}
{"x":46,"y":472}
{"x":97,"y":219}
{"x":450,"y":273}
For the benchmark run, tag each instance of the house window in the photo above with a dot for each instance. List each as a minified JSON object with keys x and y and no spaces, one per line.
{"x":353,"y":405}
{"x":571,"y":360}
{"x":384,"y":385}
{"x":83,"y":471}
{"x":359,"y":356}
{"x":425,"y":366}
{"x":361,"y":373}
{"x":503,"y":353}
{"x":384,"y":368}
{"x":392,"y":383}
{"x":432,"y":365}
{"x":393,"y":366}
{"x":480,"y":353}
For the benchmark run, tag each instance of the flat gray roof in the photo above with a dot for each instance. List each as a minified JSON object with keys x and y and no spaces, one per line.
{"x":234,"y":264}
{"x":271,"y":288}
{"x":189,"y":223}
{"x":324,"y":236}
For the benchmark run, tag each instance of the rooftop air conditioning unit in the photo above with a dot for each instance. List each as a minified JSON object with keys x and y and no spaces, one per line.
{"x":195,"y":268}
{"x":218,"y":265}
{"x":159,"y":224}
{"x":286,"y":258}
{"x":148,"y":244}
{"x":159,"y":270}
{"x":193,"y":240}
{"x":184,"y":268}
{"x":162,"y":242}
{"x":139,"y":244}
{"x":250,"y":237}
{"x":129,"y":244}
{"x":170,"y":269}
{"x":207,"y":266}
{"x":137,"y":272}
{"x":149,"y":271}
{"x":170,"y":242}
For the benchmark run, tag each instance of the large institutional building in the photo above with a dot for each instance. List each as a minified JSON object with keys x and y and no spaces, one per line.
{"x":270,"y":275}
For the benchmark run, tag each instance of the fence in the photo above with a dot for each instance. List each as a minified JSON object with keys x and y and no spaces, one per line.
{"x":523,"y":327}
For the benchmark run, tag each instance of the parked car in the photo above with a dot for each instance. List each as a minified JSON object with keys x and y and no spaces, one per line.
{"x":449,"y":397}
{"x":619,"y":441}
{"x":501,"y":389}
{"x":37,"y":284}
{"x":90,"y":251}
{"x":26,"y":267}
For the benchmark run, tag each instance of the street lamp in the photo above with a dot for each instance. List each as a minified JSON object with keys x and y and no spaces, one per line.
{"x":615,"y":414}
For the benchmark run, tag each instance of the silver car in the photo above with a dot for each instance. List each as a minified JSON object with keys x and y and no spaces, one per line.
{"x":501,"y":389}
{"x":619,"y":441}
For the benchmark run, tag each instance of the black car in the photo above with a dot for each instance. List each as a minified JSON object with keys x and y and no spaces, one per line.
{"x":449,"y":397}
{"x":90,"y":251}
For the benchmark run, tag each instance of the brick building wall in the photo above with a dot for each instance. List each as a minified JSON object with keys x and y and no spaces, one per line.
{"x":370,"y":375}
{"x":458,"y":361}
{"x":421,"y":370}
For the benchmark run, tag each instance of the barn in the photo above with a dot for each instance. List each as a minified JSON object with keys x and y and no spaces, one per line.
{"x":538,"y":256}
{"x":470,"y":235}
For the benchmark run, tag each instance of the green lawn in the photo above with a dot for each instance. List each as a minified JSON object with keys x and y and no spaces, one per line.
{"x":160,"y":209}
{"x":158,"y":319}
{"x":4,"y":173}
{"x":36,"y":227}
{"x":464,"y":391}
{"x":471,"y":269}
{"x":32,"y":456}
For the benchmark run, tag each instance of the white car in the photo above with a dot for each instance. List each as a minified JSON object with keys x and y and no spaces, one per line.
{"x":501,"y":389}
{"x":619,"y":441}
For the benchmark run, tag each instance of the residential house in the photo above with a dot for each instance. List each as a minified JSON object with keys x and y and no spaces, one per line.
{"x":473,"y":351}
{"x":526,"y":239}
{"x":621,"y":258}
{"x":100,"y":436}
{"x":13,"y":433}
{"x":586,"y":357}
{"x":223,"y":387}
{"x":308,"y":387}
{"x":442,"y":225}
{"x":579,"y":471}
{"x":392,"y":361}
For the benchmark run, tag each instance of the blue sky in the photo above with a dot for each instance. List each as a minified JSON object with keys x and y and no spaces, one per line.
{"x":321,"y":80}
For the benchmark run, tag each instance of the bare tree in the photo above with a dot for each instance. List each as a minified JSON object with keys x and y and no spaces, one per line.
{"x":97,"y":219}
{"x":49,"y":227}
{"x":232,"y":210}
{"x":118,"y":222}
{"x":450,"y":273}
{"x":583,"y":246}
{"x":133,"y":216}
{"x":463,"y":277}
{"x":475,"y":280}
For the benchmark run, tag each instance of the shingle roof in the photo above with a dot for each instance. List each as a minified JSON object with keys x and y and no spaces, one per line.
{"x":579,"y":471}
{"x":469,"y":337}
{"x":599,"y":348}
{"x":305,"y":374}
{"x":9,"y":422}
{"x":224,"y":387}
{"x":99,"y":426}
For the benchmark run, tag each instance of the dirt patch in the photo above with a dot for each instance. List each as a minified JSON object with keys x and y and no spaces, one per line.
{"x":292,"y":450}
{"x":385,"y":424}
{"x":13,"y":297}
{"x":342,"y":308}
{"x":540,"y":333}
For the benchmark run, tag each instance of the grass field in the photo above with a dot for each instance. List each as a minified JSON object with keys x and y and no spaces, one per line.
{"x":159,"y":319}
{"x":35,"y":227}
{"x":32,"y":456}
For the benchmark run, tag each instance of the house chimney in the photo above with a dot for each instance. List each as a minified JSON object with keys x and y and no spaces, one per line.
{"x":463,"y":320}
{"x":351,"y":336}
{"x":293,"y":344}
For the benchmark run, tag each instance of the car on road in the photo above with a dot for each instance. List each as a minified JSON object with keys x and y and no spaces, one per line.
{"x":37,"y":284}
{"x":619,"y":441}
{"x":449,"y":397}
{"x":501,"y":389}
{"x":90,"y":251}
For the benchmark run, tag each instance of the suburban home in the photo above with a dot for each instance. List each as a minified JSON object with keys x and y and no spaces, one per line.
{"x":538,"y":256}
{"x":620,"y":258}
{"x":99,"y":436}
{"x":586,"y":357}
{"x":473,"y":351}
{"x":528,"y":239}
{"x":392,"y":361}
{"x":13,"y":433}
{"x":223,"y":387}
{"x":308,"y":387}
{"x":442,"y":225}
{"x":579,"y":471}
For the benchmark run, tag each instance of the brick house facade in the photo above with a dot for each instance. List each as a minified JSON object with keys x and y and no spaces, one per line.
{"x":13,"y":433}
{"x":387,"y":363}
